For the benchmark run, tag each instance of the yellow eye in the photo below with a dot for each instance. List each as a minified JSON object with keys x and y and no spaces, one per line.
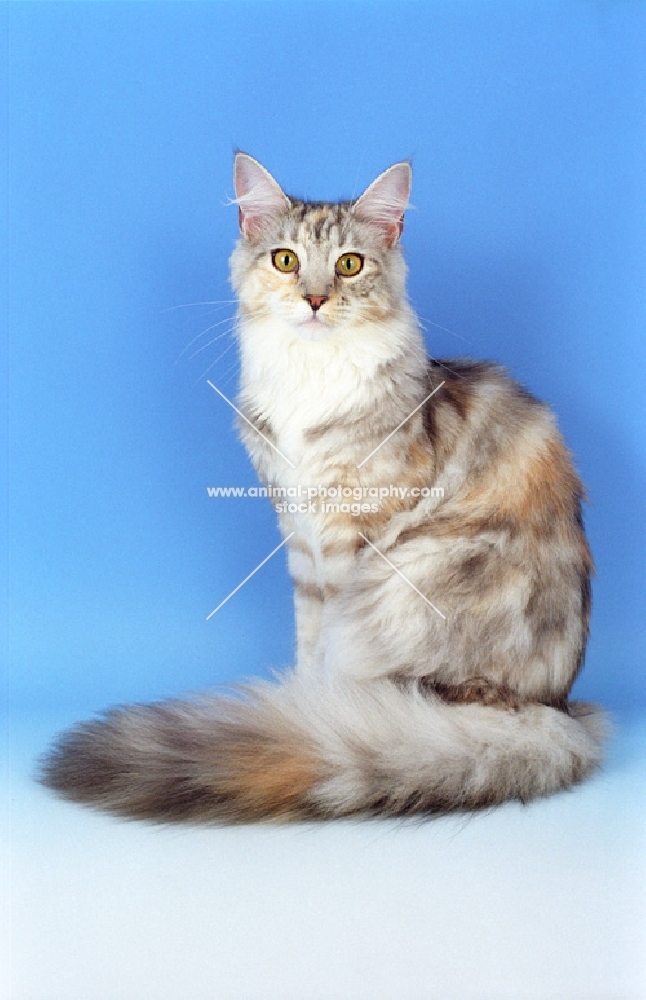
{"x":284,"y":260}
{"x":349,"y":264}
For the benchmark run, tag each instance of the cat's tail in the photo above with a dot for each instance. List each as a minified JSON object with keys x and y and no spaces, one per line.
{"x":308,"y":749}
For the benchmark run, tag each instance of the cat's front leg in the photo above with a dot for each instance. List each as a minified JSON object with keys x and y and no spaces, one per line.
{"x":308,"y":599}
{"x":308,"y":608}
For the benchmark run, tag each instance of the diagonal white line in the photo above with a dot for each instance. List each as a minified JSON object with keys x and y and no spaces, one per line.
{"x":246,"y":419}
{"x":399,"y":572}
{"x":411,"y":414}
{"x":259,"y":566}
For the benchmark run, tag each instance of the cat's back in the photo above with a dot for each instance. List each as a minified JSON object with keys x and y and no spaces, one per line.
{"x":498,"y":451}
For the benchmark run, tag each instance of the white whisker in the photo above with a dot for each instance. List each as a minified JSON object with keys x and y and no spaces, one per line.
{"x":439,"y":326}
{"x":213,"y":363}
{"x":219,"y":337}
{"x":230,"y":372}
{"x":228,"y":319}
{"x":447,"y":369}
{"x":188,"y":305}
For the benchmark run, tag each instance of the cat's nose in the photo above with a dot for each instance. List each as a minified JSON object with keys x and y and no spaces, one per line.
{"x":316,"y":301}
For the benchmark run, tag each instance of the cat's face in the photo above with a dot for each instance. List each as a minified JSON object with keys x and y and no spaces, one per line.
{"x":319,"y":268}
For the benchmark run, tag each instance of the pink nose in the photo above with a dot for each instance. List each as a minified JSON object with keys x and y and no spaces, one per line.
{"x":316,"y":301}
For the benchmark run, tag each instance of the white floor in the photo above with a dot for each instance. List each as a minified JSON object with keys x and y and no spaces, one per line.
{"x":537,"y":902}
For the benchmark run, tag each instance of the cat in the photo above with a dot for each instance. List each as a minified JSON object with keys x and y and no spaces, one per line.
{"x":439,"y":630}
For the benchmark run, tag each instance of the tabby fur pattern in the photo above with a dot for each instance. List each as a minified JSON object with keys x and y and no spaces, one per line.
{"x":438,"y":636}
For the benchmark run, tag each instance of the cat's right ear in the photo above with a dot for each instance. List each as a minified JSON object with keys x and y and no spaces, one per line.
{"x":260,"y":199}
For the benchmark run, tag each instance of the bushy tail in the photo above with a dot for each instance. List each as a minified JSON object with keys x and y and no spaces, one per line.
{"x":309,"y":749}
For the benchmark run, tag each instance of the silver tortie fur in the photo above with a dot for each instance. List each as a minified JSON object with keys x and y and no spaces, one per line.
{"x":439,"y":631}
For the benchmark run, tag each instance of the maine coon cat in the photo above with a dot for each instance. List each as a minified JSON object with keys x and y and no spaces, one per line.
{"x":439,"y":629}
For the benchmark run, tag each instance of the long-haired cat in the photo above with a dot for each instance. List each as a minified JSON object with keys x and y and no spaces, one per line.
{"x":439,"y":627}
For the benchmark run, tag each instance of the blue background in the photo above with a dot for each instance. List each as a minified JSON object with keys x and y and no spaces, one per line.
{"x":526,"y":123}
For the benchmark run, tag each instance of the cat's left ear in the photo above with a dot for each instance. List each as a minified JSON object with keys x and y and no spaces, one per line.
{"x":383,"y":203}
{"x":260,"y":199}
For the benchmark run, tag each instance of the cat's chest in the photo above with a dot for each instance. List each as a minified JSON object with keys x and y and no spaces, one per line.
{"x":302,"y":416}
{"x":308,"y":459}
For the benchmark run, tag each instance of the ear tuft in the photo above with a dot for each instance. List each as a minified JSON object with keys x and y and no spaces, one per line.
{"x":383,"y":203}
{"x":260,"y":199}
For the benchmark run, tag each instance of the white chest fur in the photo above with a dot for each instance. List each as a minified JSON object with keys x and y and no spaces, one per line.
{"x":297,"y":385}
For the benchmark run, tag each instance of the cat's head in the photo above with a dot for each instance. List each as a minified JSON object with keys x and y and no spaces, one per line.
{"x":317,"y":267}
